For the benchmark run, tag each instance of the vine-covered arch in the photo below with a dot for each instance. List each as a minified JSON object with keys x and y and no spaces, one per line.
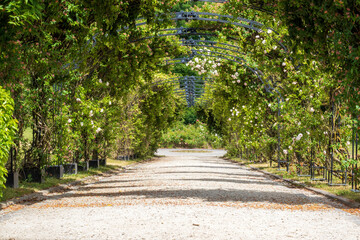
{"x":107,"y":58}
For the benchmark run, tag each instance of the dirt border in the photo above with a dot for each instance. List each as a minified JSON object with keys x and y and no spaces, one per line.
{"x":343,"y":200}
{"x":39,"y":195}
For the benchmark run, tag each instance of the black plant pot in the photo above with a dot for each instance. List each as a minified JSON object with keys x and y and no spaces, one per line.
{"x":70,"y":168}
{"x":56,"y":171}
{"x":94,"y":163}
{"x":33,"y":174}
{"x":102,"y":162}
{"x":83,"y":166}
{"x":12,"y":180}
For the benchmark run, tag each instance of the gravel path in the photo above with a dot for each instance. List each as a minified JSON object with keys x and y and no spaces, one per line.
{"x":185,"y":195}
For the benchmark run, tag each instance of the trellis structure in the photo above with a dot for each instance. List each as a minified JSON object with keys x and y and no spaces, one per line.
{"x":193,"y":89}
{"x":244,"y":23}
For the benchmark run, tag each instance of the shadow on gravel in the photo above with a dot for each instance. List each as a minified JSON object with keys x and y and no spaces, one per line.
{"x":201,"y":166}
{"x":218,"y":173}
{"x":210,"y":195}
{"x":229,"y":181}
{"x":89,"y":188}
{"x":118,"y":181}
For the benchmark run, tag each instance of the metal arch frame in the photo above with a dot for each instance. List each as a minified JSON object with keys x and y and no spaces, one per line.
{"x":196,"y":53}
{"x":179,"y":78}
{"x":226,"y":1}
{"x":192,"y":32}
{"x":179,"y":32}
{"x":252,"y":25}
{"x":193,"y":43}
{"x":249,"y":24}
{"x":192,"y":89}
{"x":268,"y":87}
{"x":196,"y":16}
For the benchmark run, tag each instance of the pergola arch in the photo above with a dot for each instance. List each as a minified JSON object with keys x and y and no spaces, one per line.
{"x":248,"y":24}
{"x":188,"y":85}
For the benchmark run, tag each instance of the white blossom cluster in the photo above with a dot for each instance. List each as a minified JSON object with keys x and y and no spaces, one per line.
{"x":234,"y":112}
{"x":298,"y":137}
{"x":204,"y":66}
{"x":235,"y":75}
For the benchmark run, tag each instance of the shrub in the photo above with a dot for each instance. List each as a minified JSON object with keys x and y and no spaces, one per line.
{"x":7,"y":132}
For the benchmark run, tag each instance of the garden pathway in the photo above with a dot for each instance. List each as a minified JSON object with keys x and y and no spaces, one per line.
{"x":185,"y":195}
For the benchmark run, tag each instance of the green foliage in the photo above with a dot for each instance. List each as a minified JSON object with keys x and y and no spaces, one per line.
{"x":191,"y":136}
{"x":189,"y":116}
{"x":81,"y":75}
{"x":7,"y":131}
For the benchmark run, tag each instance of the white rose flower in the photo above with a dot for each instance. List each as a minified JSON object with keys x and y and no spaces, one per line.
{"x":81,"y":124}
{"x":269,"y":31}
{"x":78,"y":100}
{"x":109,"y":102}
{"x":299,"y":137}
{"x":91,"y":113}
{"x":69,"y":120}
{"x":285,"y":151}
{"x":100,"y":81}
{"x":312,"y":110}
{"x":101,"y":110}
{"x":107,"y":83}
{"x":98,"y":130}
{"x":263,"y":41}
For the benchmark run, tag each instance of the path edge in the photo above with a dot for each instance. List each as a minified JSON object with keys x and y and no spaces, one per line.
{"x":40,"y":193}
{"x":343,"y":200}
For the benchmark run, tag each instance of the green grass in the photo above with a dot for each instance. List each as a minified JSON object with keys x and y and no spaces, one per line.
{"x":344,"y":191}
{"x":31,"y":187}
